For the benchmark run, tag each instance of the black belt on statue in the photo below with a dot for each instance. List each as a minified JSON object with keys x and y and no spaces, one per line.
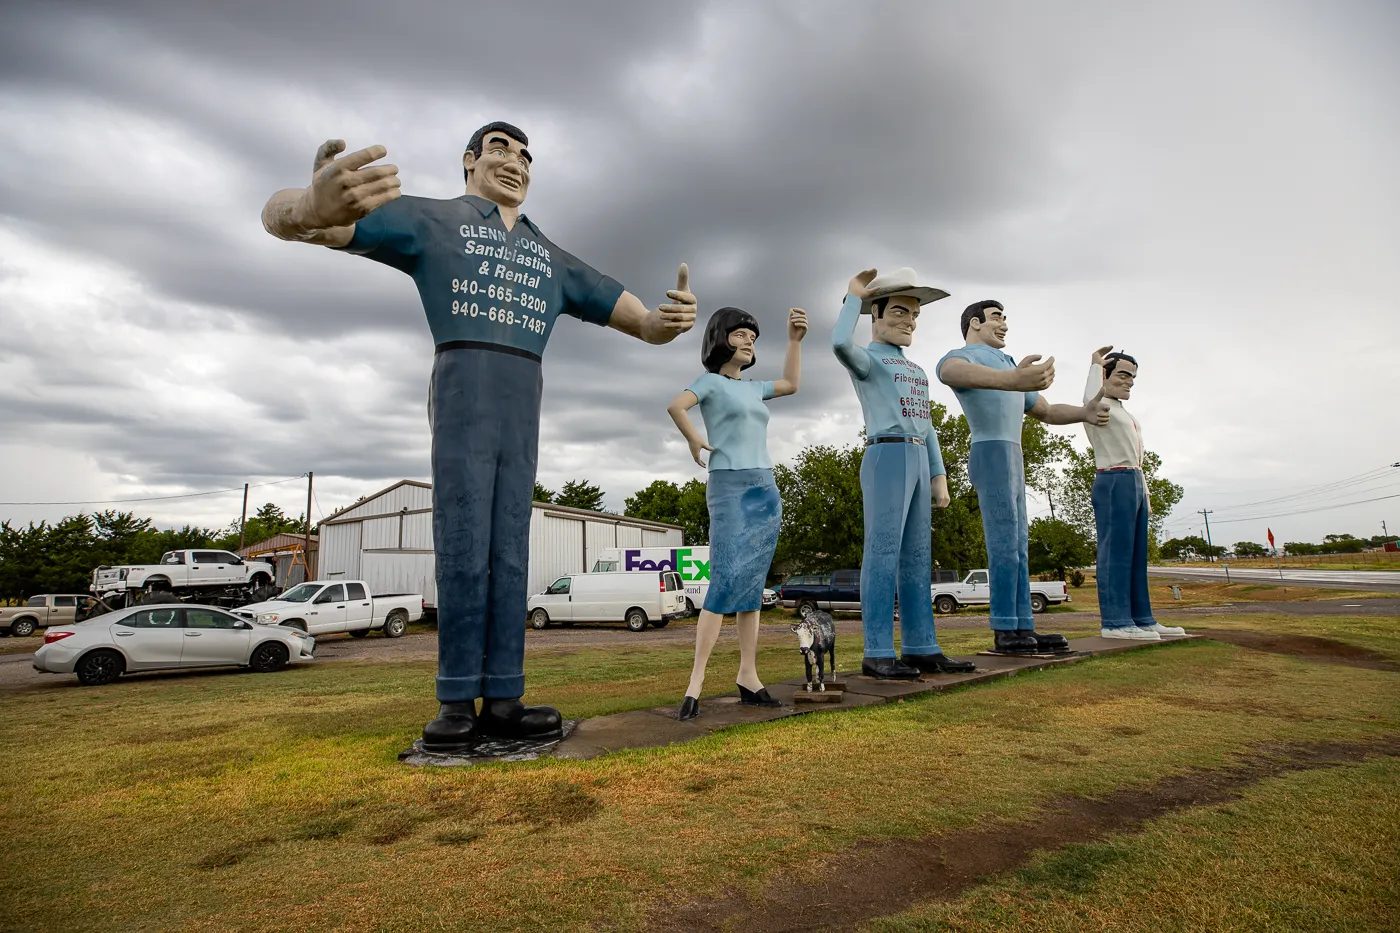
{"x":483,"y":345}
{"x":895,"y":439}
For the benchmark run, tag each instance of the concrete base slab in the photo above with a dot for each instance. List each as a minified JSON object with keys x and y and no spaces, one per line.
{"x":650,"y":728}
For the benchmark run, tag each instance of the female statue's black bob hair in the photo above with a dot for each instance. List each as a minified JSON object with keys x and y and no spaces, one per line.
{"x":716,"y":351}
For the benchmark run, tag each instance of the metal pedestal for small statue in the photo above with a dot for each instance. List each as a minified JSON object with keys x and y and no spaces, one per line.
{"x":834,"y":693}
{"x":487,"y":748}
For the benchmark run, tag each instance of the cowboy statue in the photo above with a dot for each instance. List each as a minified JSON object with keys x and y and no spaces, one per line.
{"x":492,"y":286}
{"x":901,"y":474}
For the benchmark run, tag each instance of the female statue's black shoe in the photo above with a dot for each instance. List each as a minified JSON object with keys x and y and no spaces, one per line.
{"x":690,"y":708}
{"x":761,"y":698}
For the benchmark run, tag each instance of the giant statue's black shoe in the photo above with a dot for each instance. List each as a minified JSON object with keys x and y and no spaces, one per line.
{"x":511,"y":719}
{"x":690,"y":708}
{"x":938,"y":663}
{"x":1015,"y":642}
{"x":888,"y":669}
{"x":762,"y":697}
{"x":454,"y":730}
{"x":1049,"y":641}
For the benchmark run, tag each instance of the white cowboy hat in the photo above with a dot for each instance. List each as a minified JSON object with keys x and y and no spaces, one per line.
{"x":900,"y":282}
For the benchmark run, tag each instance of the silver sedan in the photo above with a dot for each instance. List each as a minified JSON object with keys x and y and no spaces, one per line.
{"x":149,"y":638}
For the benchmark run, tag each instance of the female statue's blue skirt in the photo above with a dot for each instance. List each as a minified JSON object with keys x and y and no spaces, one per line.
{"x":745,"y":513}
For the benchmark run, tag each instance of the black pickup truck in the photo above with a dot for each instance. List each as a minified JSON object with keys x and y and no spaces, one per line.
{"x":839,"y":590}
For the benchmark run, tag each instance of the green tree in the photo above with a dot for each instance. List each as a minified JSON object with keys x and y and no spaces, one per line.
{"x":1043,"y":452}
{"x":1300,"y":548}
{"x":580,"y":494}
{"x":693,"y":513}
{"x":659,"y":502}
{"x":1056,"y":546}
{"x":1188,"y":547}
{"x":1249,"y":549}
{"x":542,"y":494}
{"x":822,"y":526}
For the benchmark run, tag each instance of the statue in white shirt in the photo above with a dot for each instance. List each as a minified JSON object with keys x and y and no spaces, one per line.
{"x":1121,"y":505}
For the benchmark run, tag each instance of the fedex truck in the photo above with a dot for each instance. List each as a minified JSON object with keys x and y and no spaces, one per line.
{"x":692,"y":563}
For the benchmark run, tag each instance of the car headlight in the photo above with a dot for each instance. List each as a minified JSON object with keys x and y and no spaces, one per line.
{"x":267,"y":618}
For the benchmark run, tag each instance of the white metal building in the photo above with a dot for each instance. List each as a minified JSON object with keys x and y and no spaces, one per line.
{"x":387,"y":540}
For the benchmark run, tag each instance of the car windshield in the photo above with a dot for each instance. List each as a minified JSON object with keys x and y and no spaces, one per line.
{"x":300,"y":594}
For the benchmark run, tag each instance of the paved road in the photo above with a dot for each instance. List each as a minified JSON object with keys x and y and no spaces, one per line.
{"x":17,"y":673}
{"x":1376,"y":581}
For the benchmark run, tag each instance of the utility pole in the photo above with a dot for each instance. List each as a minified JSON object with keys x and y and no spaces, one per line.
{"x":1050,"y":494}
{"x":306,"y":542}
{"x":243,"y":519}
{"x":1209,"y":543}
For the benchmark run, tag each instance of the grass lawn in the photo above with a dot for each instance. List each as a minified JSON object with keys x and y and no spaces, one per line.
{"x":235,"y":801}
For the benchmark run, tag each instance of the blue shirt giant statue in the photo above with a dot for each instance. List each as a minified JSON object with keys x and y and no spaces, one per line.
{"x":996,"y":393}
{"x":745,"y":510}
{"x":492,"y":286}
{"x":901,"y":474}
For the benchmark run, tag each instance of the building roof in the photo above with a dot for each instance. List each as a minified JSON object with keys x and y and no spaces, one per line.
{"x":275,"y":543}
{"x":563,"y":510}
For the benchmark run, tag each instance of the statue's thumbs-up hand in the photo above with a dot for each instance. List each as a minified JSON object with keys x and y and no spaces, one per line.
{"x":345,"y":190}
{"x":679,"y":316}
{"x":1096,"y":412}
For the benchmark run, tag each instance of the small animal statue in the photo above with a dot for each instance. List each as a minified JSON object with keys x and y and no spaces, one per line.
{"x":816,"y":639}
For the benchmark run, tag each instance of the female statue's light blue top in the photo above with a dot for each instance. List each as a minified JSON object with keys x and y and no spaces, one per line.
{"x":736,"y":421}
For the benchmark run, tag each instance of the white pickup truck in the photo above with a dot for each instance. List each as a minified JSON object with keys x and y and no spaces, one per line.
{"x":197,"y":571}
{"x":322,"y":607}
{"x":975,"y":591}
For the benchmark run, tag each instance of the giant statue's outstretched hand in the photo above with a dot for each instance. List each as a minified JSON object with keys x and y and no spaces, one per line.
{"x":347,"y":189}
{"x":1031,"y":376}
{"x":680,"y":316}
{"x":1096,"y":411}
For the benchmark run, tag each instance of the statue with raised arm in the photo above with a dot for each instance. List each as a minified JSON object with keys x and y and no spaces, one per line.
{"x":1122,"y":506}
{"x":746,"y":512}
{"x":996,"y":393}
{"x":492,"y":286}
{"x":901,"y":474}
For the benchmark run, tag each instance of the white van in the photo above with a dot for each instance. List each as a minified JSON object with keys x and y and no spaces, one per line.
{"x":692,"y":563}
{"x":637,"y":598}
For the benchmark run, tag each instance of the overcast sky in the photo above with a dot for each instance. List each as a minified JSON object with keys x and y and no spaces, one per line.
{"x":1210,"y":186}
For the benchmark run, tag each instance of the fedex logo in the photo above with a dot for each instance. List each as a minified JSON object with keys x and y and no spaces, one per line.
{"x":690,"y":568}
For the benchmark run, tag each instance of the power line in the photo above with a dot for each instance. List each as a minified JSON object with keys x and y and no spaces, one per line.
{"x":187,"y":495}
{"x":1325,"y":508}
{"x":1359,"y":478}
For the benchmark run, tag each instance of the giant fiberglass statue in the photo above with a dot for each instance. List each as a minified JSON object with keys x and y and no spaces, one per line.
{"x":492,"y":286}
{"x":1122,"y":507}
{"x":901,"y":471}
{"x":996,"y":393}
{"x":745,"y":511}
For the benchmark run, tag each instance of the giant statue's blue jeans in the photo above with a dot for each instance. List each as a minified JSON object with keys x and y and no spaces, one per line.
{"x":1120,"y":516}
{"x":998,"y":473}
{"x":484,"y":407}
{"x":894,"y":484}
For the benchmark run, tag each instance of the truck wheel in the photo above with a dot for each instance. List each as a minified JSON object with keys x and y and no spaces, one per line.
{"x":396,"y":624}
{"x":359,"y":632}
{"x":260,"y":580}
{"x":157,"y":597}
{"x":22,"y":628}
{"x":689,"y":606}
{"x":946,"y":605}
{"x":1038,"y":603}
{"x":636,"y":620}
{"x":100,"y":667}
{"x":268,"y":657}
{"x":297,"y":624}
{"x":804,"y":605}
{"x":539,"y":619}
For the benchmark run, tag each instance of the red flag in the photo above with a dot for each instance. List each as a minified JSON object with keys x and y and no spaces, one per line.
{"x":1271,"y":536}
